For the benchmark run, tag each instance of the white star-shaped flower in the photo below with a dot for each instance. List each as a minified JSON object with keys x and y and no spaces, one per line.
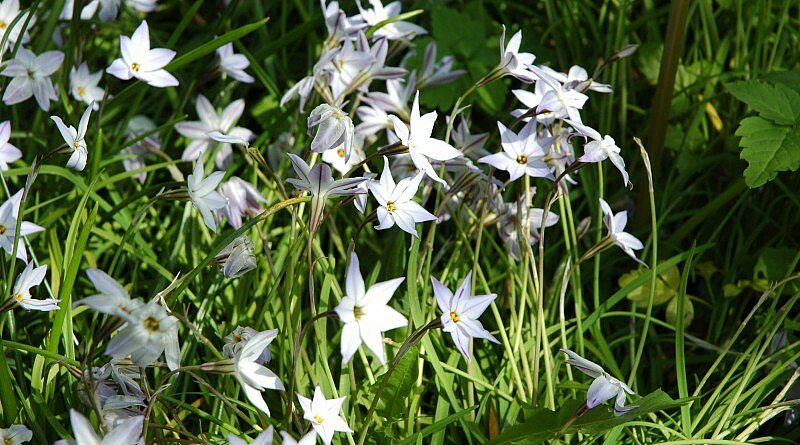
{"x":140,"y":61}
{"x":396,"y":30}
{"x":604,"y":386}
{"x":600,"y":148}
{"x":27,"y":279}
{"x":31,"y":77}
{"x":522,"y":154}
{"x":213,"y":128}
{"x":149,"y":331}
{"x":83,"y":85}
{"x":460,"y":313}
{"x":234,"y":64}
{"x":8,"y":152}
{"x":397,"y":205}
{"x":366,"y":313}
{"x":202,"y":192}
{"x":616,"y":231}
{"x":254,"y":376}
{"x":421,"y":146}
{"x":8,"y":226}
{"x":75,"y":139}
{"x":512,"y":62}
{"x":324,"y":415}
{"x":127,"y":432}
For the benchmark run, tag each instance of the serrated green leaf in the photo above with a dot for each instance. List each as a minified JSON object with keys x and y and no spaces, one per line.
{"x":542,"y":425}
{"x":768,"y":149}
{"x":399,"y":385}
{"x":777,"y":103}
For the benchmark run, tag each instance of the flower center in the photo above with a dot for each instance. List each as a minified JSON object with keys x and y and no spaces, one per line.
{"x":76,"y":145}
{"x":81,"y":91}
{"x":151,"y":324}
{"x":340,"y":152}
{"x":390,"y":207}
{"x":135,"y":67}
{"x":318,"y":419}
{"x":2,"y":229}
{"x":18,"y":297}
{"x":358,"y":312}
{"x":454,"y":317}
{"x":5,"y":441}
{"x":3,"y":26}
{"x":522,"y":159}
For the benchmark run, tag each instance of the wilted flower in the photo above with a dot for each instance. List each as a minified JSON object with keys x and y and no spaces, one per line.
{"x":31,"y":77}
{"x":340,"y":27}
{"x":8,"y":227}
{"x":138,"y":152}
{"x":243,"y":199}
{"x":236,"y":340}
{"x":469,"y":144}
{"x":397,"y":205}
{"x":27,"y":279}
{"x":141,"y":62}
{"x":318,"y":181}
{"x":509,"y":230}
{"x":436,"y":72}
{"x":234,"y":64}
{"x":149,"y":332}
{"x":335,"y":129}
{"x":202,"y":192}
{"x":522,"y":154}
{"x":616,"y":231}
{"x":366,"y":314}
{"x":15,"y":435}
{"x":604,"y":387}
{"x":304,"y":87}
{"x":128,"y":432}
{"x":112,"y":298}
{"x":460,"y":313}
{"x":396,"y":30}
{"x":213,"y":128}
{"x":237,"y":258}
{"x":84,"y":87}
{"x":421,"y":146}
{"x":8,"y":152}
{"x":75,"y":139}
{"x":324,"y":415}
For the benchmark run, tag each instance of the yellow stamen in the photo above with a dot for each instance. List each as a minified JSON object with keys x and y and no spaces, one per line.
{"x":81,"y":91}
{"x":151,"y":324}
{"x":135,"y":67}
{"x":454,"y":317}
{"x":318,"y":419}
{"x":390,"y":207}
{"x":522,"y":159}
{"x":358,"y":311}
{"x":2,"y":230}
{"x":340,"y":152}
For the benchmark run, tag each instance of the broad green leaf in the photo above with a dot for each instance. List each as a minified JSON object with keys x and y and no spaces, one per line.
{"x":777,"y":103}
{"x":543,"y":426}
{"x":768,"y":149}
{"x":399,"y":385}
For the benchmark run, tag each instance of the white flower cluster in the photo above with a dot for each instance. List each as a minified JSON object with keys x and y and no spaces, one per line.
{"x":360,"y":101}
